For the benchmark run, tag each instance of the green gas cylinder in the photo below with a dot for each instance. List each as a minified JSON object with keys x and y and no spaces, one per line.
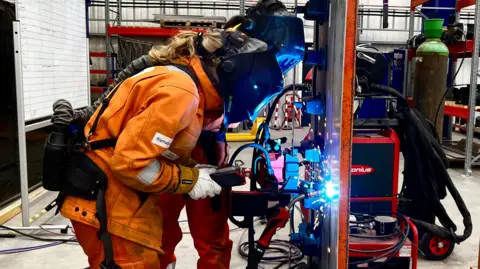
{"x":431,"y":69}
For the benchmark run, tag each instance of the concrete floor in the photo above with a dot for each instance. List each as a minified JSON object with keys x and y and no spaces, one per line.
{"x":71,"y":255}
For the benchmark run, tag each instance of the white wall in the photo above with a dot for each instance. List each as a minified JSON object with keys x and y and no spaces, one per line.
{"x":370,"y":27}
{"x":463,"y":76}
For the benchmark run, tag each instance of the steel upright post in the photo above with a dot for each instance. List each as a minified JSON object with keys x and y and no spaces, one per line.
{"x":107,"y":39}
{"x":473,"y":90}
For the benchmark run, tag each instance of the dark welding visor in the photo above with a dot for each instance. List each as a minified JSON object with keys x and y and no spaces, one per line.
{"x":248,"y":81}
{"x":285,"y":34}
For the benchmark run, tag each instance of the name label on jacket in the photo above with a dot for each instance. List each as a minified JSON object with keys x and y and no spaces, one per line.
{"x":162,"y":140}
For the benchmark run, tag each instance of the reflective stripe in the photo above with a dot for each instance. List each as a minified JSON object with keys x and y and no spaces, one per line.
{"x":172,"y":265}
{"x":146,"y":70}
{"x":149,"y":173}
{"x":176,"y":69}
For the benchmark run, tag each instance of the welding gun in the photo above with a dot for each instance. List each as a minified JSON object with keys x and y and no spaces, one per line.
{"x":277,"y":218}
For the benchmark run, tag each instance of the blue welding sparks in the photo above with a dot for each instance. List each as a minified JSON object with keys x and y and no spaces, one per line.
{"x":331,"y":190}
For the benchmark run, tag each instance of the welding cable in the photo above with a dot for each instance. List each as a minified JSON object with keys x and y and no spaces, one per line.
{"x":426,"y":160}
{"x":38,"y":238}
{"x":391,"y":253}
{"x":256,"y":146}
{"x":366,"y":218}
{"x":43,"y":228}
{"x":372,"y":236}
{"x":397,"y":231}
{"x":390,"y":91}
{"x":284,"y":248}
{"x":451,"y":85}
{"x":277,"y":252}
{"x":288,"y":88}
{"x":26,"y":249}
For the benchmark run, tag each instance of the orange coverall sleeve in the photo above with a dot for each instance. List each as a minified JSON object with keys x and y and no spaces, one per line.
{"x":137,"y":161}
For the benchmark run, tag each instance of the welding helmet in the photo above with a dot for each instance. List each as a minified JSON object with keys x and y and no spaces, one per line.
{"x":250,"y":73}
{"x":271,"y":22}
{"x":284,"y":34}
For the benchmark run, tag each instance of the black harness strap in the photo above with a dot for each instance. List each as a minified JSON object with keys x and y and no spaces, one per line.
{"x":104,"y":143}
{"x":103,"y":234}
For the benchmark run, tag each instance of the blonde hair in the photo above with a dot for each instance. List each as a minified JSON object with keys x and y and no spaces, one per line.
{"x":183,"y":46}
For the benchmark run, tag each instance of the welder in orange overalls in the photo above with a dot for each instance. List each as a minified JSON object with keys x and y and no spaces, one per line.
{"x":156,"y":118}
{"x":155,"y":156}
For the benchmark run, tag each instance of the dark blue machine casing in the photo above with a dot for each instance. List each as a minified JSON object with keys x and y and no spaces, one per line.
{"x":375,"y":164}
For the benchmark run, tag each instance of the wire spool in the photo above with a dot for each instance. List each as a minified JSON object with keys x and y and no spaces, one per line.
{"x":385,"y":225}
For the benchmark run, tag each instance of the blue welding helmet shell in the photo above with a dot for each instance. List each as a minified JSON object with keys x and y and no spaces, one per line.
{"x":248,"y":81}
{"x":285,"y":34}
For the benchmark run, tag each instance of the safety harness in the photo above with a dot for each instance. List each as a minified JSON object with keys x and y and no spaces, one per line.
{"x":101,"y":180}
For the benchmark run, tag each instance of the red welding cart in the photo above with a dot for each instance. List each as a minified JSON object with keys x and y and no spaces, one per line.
{"x":374,"y":189}
{"x":408,"y":254}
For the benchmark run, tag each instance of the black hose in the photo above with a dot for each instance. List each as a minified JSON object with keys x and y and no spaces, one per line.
{"x":39,"y":238}
{"x":264,"y":126}
{"x":279,"y":96}
{"x":376,"y":250}
{"x":276,"y":246}
{"x":447,"y":90}
{"x":390,"y":91}
{"x":431,"y":153}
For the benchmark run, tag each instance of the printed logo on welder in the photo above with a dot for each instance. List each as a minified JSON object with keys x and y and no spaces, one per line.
{"x":162,"y":140}
{"x":187,"y":181}
{"x":360,"y":170}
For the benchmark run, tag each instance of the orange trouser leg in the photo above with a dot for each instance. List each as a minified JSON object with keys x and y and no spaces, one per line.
{"x":210,"y":234}
{"x":127,"y":255}
{"x":171,"y":206}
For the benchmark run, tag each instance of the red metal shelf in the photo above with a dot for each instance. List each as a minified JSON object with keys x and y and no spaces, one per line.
{"x":95,"y":71}
{"x":101,"y":54}
{"x":416,"y":3}
{"x":459,"y":111}
{"x":461,"y":49}
{"x":464,"y":3}
{"x":456,"y":111}
{"x":146,"y":31}
{"x":97,"y":89}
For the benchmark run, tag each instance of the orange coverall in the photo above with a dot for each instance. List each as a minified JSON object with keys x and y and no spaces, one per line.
{"x":157,"y":117}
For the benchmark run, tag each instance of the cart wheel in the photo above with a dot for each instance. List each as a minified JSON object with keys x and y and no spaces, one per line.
{"x":436,"y":248}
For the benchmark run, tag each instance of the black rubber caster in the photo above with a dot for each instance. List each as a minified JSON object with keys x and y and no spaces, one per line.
{"x":436,"y":248}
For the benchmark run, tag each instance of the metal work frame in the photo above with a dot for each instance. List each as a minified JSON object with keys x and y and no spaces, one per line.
{"x":107,"y":37}
{"x":242,"y":7}
{"x":22,"y":143}
{"x":469,"y":161}
{"x":336,"y":84}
